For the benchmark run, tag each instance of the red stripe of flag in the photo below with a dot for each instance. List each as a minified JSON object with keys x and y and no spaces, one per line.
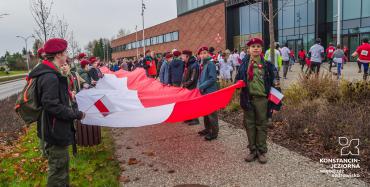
{"x":101,"y":107}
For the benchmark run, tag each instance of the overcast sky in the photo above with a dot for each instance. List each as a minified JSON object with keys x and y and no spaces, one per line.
{"x":89,"y":19}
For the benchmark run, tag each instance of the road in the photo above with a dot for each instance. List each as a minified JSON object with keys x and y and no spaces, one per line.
{"x":8,"y":89}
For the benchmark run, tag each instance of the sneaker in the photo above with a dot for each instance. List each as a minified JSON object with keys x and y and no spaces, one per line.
{"x":251,"y":156}
{"x":203,"y":132}
{"x":262,"y":158}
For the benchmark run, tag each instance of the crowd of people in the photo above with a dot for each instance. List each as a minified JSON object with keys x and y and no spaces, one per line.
{"x":60,"y":79}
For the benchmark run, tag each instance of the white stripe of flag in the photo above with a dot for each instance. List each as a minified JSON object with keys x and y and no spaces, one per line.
{"x":275,"y":96}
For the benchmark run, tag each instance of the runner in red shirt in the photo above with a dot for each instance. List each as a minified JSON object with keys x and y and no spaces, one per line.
{"x":302,"y":58}
{"x":329,"y":55}
{"x":363,"y":53}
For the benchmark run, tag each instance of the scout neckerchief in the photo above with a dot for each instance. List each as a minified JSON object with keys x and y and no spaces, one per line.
{"x":251,"y":68}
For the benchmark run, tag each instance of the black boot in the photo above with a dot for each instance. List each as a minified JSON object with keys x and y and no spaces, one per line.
{"x":203,"y":132}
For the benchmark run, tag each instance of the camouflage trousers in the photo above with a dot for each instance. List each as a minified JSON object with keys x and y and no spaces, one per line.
{"x":58,"y":165}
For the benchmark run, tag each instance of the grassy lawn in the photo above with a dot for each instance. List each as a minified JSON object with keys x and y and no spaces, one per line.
{"x":93,"y":166}
{"x":2,"y":73}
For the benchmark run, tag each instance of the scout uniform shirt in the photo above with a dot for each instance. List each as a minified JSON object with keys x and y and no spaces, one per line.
{"x":255,"y":79}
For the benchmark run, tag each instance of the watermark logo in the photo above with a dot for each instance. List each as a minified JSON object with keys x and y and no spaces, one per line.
{"x":349,"y":147}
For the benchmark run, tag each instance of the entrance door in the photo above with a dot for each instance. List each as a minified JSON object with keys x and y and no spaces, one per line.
{"x":354,"y":42}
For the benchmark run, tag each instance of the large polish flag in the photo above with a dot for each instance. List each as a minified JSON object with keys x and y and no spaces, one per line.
{"x":131,"y":99}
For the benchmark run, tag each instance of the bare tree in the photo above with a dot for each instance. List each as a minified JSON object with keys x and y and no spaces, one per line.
{"x":270,"y":19}
{"x":73,"y":45}
{"x":123,"y":32}
{"x":61,"y":28}
{"x":41,"y":13}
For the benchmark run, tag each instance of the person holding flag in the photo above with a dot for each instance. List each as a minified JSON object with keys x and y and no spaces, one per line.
{"x":258,"y":98}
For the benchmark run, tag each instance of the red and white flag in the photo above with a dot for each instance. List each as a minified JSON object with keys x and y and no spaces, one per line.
{"x":275,"y":96}
{"x":131,"y":99}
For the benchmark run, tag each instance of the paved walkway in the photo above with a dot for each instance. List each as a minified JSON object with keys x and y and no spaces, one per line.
{"x":173,"y":154}
{"x":350,"y":72}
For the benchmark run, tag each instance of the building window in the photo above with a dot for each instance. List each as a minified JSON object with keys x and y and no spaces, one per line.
{"x":147,"y":42}
{"x":167,"y":37}
{"x":311,"y":12}
{"x":288,"y":14}
{"x":160,"y":39}
{"x":352,"y":9}
{"x":153,"y":40}
{"x":175,"y":36}
{"x":300,"y":13}
{"x":365,"y":8}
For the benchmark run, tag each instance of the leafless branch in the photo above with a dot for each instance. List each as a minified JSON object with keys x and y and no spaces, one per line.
{"x":41,"y":13}
{"x":258,"y":10}
{"x":61,"y":28}
{"x":286,"y":2}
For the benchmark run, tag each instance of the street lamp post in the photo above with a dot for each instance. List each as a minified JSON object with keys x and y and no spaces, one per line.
{"x":137,"y":45}
{"x":339,"y":27}
{"x":142,"y":15}
{"x":25,"y":41}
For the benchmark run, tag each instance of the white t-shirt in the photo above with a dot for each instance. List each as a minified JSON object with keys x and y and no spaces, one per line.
{"x":242,"y":55}
{"x":285,"y":53}
{"x":236,"y":59}
{"x":316,"y":51}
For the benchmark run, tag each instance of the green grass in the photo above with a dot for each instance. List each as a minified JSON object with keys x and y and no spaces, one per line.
{"x":93,"y":166}
{"x":2,"y":73}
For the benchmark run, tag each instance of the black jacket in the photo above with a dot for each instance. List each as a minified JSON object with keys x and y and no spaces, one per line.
{"x":270,"y":77}
{"x":53,"y":95}
{"x":95,"y":74}
{"x":191,"y":75}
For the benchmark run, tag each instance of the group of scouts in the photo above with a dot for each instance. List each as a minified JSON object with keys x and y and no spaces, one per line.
{"x":57,"y":85}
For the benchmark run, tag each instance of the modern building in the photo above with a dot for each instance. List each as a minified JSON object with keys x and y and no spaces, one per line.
{"x":231,"y":23}
{"x":198,"y":23}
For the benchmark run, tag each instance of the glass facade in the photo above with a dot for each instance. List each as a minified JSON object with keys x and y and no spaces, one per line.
{"x":168,"y":37}
{"x":250,"y":24}
{"x":296,"y":23}
{"x":184,"y":6}
{"x":355,"y":22}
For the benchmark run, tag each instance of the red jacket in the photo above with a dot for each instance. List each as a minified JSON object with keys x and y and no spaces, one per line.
{"x":329,"y":51}
{"x":364,"y":52}
{"x":152,"y":69}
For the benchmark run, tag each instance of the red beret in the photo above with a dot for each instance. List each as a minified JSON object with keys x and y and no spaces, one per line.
{"x":187,"y":52}
{"x":169,"y":55}
{"x":40,"y":51}
{"x":176,"y":53}
{"x":55,"y":45}
{"x":202,"y":49}
{"x":255,"y":41}
{"x":81,"y":55}
{"x":92,"y":59}
{"x":147,"y":51}
{"x":83,"y":63}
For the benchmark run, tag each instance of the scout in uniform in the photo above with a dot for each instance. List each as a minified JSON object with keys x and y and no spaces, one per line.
{"x":259,"y":76}
{"x":208,"y":84}
{"x":55,"y":124}
{"x":190,"y":77}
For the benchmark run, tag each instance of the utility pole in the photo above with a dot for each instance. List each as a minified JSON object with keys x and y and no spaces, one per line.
{"x":142,"y":15}
{"x":27,"y":53}
{"x":339,"y":21}
{"x":137,"y":46}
